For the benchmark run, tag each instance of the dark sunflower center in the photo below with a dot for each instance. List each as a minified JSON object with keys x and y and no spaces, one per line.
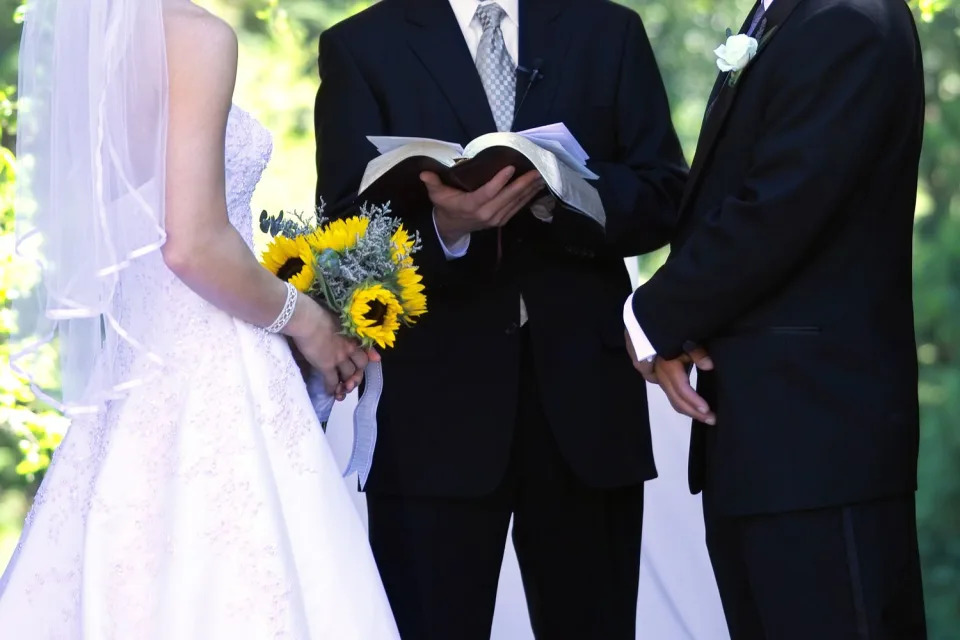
{"x":377,"y":313}
{"x":290,"y":269}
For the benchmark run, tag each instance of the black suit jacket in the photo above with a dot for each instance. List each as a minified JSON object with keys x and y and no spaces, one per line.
{"x":447,"y":416}
{"x":793,"y":264}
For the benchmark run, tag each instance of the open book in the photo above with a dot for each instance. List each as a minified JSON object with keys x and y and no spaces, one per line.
{"x":551,"y":150}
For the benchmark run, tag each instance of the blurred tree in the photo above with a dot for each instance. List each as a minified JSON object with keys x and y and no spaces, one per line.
{"x":937,"y":301}
{"x":278,"y":80}
{"x":29,"y":432}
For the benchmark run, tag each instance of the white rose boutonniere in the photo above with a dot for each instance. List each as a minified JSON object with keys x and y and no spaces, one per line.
{"x":734,"y":56}
{"x":739,"y":51}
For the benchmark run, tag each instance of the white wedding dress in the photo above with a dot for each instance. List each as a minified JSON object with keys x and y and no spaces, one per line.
{"x":206,"y":504}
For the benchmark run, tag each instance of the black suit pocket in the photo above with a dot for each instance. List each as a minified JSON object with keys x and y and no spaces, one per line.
{"x":798,"y":330}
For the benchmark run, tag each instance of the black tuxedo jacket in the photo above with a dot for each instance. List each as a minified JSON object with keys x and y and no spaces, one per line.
{"x":793,"y":264}
{"x":447,"y":416}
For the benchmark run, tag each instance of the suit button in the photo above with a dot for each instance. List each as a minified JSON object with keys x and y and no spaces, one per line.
{"x":512,"y":329}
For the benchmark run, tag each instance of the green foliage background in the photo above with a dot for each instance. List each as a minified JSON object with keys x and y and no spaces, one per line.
{"x":277,"y":82}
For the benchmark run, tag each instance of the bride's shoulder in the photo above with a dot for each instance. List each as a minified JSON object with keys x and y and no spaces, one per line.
{"x":198,"y":42}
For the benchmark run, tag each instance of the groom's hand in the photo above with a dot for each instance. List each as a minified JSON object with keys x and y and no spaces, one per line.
{"x":645,"y":367}
{"x":460,"y":213}
{"x":673,"y":376}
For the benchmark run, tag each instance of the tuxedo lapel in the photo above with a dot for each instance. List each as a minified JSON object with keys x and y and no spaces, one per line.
{"x":722,"y":77}
{"x":436,"y":39}
{"x":544,"y":39}
{"x":725,"y":97}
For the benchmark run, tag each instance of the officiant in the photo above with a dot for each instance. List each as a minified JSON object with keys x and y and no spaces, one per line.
{"x":513,"y":397}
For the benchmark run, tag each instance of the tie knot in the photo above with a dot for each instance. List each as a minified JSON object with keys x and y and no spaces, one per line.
{"x":490,"y":15}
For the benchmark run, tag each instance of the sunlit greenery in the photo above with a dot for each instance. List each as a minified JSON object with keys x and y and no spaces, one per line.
{"x":277,"y":82}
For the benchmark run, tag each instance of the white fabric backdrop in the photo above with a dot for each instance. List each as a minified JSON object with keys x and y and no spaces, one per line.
{"x":678,"y":597}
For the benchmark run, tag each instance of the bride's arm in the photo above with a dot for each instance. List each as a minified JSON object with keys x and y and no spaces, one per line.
{"x":203,"y":249}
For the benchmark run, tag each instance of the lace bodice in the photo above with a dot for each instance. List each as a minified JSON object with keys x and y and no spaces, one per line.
{"x":248,"y":150}
{"x":157,"y":304}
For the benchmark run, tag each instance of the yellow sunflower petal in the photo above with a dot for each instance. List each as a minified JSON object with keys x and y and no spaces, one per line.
{"x":382,"y":330}
{"x":413,"y":300}
{"x":340,"y":235}
{"x":291,"y":260}
{"x":318,"y":241}
{"x":402,"y":247}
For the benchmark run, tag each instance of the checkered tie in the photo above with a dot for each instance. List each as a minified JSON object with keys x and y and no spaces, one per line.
{"x":497,"y":71}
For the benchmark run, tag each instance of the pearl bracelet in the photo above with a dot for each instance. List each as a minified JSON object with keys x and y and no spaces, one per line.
{"x":286,"y":314}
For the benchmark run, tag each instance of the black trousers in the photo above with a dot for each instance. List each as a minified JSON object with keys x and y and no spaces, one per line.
{"x":578,"y":547}
{"x":841,"y":573}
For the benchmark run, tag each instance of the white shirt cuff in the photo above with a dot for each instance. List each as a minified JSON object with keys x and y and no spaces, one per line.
{"x":459,"y":248}
{"x":542,"y":209}
{"x":641,"y":344}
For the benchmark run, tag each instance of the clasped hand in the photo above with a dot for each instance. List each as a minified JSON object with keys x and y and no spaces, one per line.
{"x":339,"y":359}
{"x":673,"y":376}
{"x":460,"y":213}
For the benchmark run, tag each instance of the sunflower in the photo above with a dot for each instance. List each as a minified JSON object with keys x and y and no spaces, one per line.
{"x":373,"y":312}
{"x":318,"y":240}
{"x":411,"y":293}
{"x":401,"y":246}
{"x":291,"y":260}
{"x":339,"y":235}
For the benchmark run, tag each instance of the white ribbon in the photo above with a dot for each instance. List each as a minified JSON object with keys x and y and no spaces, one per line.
{"x":364,"y":418}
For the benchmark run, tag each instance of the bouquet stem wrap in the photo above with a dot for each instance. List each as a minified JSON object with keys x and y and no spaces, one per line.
{"x":364,"y":418}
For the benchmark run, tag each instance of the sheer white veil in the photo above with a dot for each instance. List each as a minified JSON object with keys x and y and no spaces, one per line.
{"x":91,"y":151}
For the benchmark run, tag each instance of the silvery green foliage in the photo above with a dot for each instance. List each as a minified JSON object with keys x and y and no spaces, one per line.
{"x":370,"y":260}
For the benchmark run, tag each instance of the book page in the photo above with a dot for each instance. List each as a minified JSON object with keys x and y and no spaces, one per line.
{"x":444,"y":153}
{"x":558,"y":132}
{"x":386,"y":144}
{"x":564,"y":156}
{"x":558,"y":139}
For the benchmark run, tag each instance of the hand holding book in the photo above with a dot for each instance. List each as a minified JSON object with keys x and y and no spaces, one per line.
{"x":549,"y":152}
{"x":459,"y":213}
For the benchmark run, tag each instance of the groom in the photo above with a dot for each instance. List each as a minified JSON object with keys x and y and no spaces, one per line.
{"x":792,"y":272}
{"x":511,"y":396}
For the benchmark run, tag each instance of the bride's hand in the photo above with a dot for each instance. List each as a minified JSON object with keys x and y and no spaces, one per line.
{"x":316,"y":334}
{"x":351,"y":375}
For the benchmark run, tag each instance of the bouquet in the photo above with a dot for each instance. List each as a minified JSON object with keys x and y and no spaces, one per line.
{"x":361,"y":268}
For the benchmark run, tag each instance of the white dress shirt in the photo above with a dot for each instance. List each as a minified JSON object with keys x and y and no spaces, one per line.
{"x":641,"y":343}
{"x":466,"y":13}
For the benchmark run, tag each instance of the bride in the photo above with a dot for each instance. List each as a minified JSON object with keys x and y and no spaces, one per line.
{"x":194,"y":495}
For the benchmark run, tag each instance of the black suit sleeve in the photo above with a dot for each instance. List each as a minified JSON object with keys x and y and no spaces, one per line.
{"x":821,"y":130}
{"x":347,"y":111}
{"x":642,"y":186}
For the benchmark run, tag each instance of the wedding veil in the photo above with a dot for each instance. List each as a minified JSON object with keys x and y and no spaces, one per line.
{"x":91,"y":151}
